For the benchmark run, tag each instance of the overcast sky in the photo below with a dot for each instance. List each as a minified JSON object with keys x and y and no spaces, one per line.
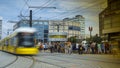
{"x":11,"y":9}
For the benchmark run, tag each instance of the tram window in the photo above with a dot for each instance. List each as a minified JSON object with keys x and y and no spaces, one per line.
{"x":11,"y":41}
{"x":6,"y":42}
{"x":26,"y":33}
{"x":15,"y":41}
{"x":26,"y":39}
{"x":26,"y":42}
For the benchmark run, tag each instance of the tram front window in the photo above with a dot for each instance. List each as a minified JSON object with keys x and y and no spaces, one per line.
{"x":26,"y":40}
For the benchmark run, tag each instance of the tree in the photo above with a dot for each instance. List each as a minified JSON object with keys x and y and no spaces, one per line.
{"x":72,"y":39}
{"x":97,"y":39}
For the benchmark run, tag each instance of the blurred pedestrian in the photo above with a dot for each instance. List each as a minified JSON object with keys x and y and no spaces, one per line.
{"x":41,"y":47}
{"x":51,"y":48}
{"x":66,"y":48}
{"x":88,"y":48}
{"x":106,"y":48}
{"x":84,"y":44}
{"x":96,"y":48}
{"x":92,"y":45}
{"x":102,"y":47}
{"x":62,"y":47}
{"x":69,"y":48}
{"x":99,"y":48}
{"x":80,"y":49}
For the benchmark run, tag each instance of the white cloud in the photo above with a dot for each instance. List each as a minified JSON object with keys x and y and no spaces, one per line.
{"x":65,"y":8}
{"x":1,"y":18}
{"x":70,"y":5}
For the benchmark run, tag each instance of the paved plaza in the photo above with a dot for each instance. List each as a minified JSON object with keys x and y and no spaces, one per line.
{"x":59,"y":60}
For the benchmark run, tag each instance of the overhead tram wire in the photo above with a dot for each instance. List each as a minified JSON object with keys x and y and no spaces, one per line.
{"x":79,"y":11}
{"x":27,"y":10}
{"x":41,"y":8}
{"x":26,"y":3}
{"x":45,"y":5}
{"x":69,"y":13}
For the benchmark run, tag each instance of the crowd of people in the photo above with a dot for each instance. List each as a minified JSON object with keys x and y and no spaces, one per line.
{"x":80,"y":48}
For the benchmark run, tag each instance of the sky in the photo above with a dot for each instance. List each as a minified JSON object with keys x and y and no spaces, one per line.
{"x":11,"y":10}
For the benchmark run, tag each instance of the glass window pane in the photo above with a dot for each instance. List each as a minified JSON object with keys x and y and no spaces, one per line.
{"x":45,"y":23}
{"x":40,"y":22}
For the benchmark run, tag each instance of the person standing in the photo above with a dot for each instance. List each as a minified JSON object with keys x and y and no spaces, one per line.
{"x":103,"y":47}
{"x":66,"y":48}
{"x":69,"y":48}
{"x":51,"y":48}
{"x":84,"y":44}
{"x":88,"y":48}
{"x":92,"y":45}
{"x":80,"y":49}
{"x":41,"y":47}
{"x":99,"y":48}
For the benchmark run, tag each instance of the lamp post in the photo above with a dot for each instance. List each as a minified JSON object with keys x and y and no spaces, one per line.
{"x":57,"y":27}
{"x":90,"y":29}
{"x":30,"y":22}
{"x":30,"y":18}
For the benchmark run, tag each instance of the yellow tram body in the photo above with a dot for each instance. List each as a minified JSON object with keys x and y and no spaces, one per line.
{"x":20,"y":42}
{"x":27,"y":50}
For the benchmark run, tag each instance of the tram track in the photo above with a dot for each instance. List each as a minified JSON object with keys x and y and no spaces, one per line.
{"x":85,"y":58}
{"x":40,"y":61}
{"x":12,"y":62}
{"x":65,"y":61}
{"x":33,"y":61}
{"x":59,"y":58}
{"x":17,"y":58}
{"x":57,"y":65}
{"x":77,"y":63}
{"x":90,"y":59}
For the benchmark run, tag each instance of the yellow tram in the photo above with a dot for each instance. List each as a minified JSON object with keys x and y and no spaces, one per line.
{"x":22,"y":42}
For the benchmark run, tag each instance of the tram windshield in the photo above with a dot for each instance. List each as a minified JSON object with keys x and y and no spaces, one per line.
{"x":26,"y":39}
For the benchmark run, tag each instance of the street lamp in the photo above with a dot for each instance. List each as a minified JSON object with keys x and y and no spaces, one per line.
{"x":58,"y":25}
{"x":90,"y":29}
